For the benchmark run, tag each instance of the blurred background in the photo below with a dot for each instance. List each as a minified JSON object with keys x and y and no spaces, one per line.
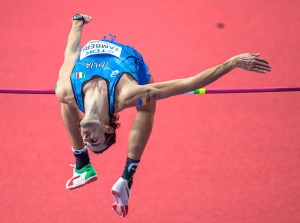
{"x":211,"y":158}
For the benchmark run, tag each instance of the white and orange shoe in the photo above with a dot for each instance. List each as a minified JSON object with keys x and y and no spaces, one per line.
{"x":85,"y":175}
{"x":121,"y":194}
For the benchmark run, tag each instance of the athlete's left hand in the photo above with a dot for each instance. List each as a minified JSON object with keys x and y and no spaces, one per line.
{"x":252,"y":62}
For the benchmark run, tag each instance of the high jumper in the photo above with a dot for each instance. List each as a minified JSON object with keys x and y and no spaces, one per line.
{"x":105,"y":77}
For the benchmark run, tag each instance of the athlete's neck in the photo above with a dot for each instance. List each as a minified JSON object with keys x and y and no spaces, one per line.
{"x":96,"y":103}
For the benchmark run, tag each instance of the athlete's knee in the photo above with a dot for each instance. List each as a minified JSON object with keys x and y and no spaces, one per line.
{"x":61,"y":93}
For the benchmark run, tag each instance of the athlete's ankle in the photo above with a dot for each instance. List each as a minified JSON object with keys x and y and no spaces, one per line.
{"x":82,"y":157}
{"x":129,"y":170}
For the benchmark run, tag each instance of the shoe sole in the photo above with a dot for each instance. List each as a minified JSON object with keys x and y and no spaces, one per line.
{"x":90,"y":180}
{"x":118,"y":200}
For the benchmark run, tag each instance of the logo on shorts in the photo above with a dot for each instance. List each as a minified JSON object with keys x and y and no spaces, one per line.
{"x":113,"y":74}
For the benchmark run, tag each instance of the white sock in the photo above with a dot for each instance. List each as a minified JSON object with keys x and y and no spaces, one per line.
{"x":80,"y":151}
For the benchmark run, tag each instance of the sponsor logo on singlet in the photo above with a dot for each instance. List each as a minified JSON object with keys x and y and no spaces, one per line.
{"x":113,"y":74}
{"x":100,"y":47}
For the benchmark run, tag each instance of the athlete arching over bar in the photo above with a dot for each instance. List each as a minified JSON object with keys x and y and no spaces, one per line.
{"x":105,"y":77}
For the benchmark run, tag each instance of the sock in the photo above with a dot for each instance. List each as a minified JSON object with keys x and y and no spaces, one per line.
{"x":129,"y":170}
{"x":82,"y":157}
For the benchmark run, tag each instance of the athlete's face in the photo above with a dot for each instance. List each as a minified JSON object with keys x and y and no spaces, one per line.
{"x":92,"y":133}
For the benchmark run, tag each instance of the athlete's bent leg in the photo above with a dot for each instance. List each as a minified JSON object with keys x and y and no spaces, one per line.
{"x":71,"y":118}
{"x":83,"y":171}
{"x":138,"y":138}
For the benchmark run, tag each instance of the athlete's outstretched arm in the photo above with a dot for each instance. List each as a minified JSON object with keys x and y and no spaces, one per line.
{"x":69,"y":110}
{"x":157,"y":91}
{"x":72,"y":52}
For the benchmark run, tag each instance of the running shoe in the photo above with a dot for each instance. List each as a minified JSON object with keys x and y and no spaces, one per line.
{"x":121,"y":193}
{"x":85,"y":175}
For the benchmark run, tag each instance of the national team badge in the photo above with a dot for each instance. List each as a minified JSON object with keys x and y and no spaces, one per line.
{"x":80,"y":75}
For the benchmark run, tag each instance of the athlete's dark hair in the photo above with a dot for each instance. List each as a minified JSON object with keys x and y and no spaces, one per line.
{"x":110,"y":139}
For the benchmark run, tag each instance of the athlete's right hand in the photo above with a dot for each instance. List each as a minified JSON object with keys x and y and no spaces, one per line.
{"x":252,"y":62}
{"x":87,"y":19}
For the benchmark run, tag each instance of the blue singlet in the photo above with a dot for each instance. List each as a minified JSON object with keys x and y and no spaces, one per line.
{"x":108,"y":60}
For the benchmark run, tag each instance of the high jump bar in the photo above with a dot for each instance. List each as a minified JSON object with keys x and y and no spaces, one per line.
{"x":198,"y":91}
{"x":243,"y":90}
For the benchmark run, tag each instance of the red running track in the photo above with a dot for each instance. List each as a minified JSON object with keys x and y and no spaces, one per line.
{"x":211,"y":158}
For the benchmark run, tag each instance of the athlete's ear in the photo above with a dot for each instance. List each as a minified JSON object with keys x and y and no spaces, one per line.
{"x":109,"y":129}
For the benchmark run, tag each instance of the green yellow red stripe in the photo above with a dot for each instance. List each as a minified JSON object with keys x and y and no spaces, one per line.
{"x":200,"y":91}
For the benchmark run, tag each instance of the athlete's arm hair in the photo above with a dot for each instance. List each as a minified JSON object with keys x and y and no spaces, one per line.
{"x":141,"y":95}
{"x":74,"y":41}
{"x":181,"y":86}
{"x":72,"y":52}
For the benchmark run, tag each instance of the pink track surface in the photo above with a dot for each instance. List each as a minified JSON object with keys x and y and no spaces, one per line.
{"x":214,"y":158}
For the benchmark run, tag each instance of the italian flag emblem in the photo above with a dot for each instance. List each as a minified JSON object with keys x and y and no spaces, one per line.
{"x":80,"y":75}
